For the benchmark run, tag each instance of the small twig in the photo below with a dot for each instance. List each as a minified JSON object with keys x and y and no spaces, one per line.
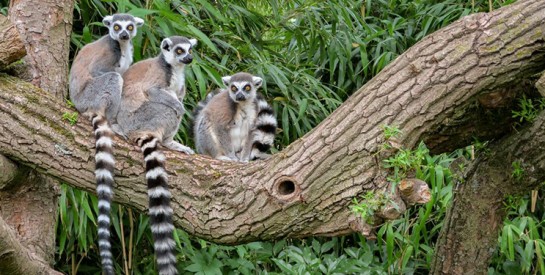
{"x":131,"y":224}
{"x":534,"y":201}
{"x":123,"y":241}
{"x":73,"y":264}
{"x":81,"y":259}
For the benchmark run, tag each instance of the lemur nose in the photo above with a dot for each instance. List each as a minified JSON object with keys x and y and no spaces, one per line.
{"x":124,"y":35}
{"x":188,"y":59}
{"x":240,"y":97}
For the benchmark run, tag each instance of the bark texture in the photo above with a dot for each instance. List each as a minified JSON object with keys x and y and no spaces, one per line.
{"x":29,"y":208}
{"x":45,"y":28}
{"x":487,"y":183}
{"x":8,"y":172}
{"x":15,"y":258}
{"x":11,"y":46}
{"x":307,"y":188}
{"x":29,"y":201}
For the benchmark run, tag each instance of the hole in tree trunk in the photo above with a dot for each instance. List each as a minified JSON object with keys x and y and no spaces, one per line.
{"x":286,"y":189}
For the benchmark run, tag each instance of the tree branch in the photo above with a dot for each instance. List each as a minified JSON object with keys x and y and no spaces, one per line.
{"x":45,"y":28}
{"x":15,"y":258}
{"x":11,"y":46}
{"x":307,"y":188}
{"x":488,"y":181}
{"x":8,"y":172}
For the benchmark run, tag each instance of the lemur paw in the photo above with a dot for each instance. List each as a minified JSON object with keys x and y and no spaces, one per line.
{"x":226,"y":158}
{"x":187,"y":151}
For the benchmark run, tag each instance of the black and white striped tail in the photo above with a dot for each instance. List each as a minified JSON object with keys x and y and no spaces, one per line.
{"x":104,"y":174}
{"x":159,"y":206}
{"x":263,"y":135}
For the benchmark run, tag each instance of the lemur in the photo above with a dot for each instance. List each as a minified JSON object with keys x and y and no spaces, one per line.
{"x":150,"y":114}
{"x":236,"y":123}
{"x":95,"y":90}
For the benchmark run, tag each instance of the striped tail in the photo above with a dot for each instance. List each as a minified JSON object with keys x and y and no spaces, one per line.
{"x":263,"y":135}
{"x":104,"y":174}
{"x":159,"y":207}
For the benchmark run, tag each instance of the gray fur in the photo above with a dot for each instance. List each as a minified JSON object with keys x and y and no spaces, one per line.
{"x":150,"y":114}
{"x":101,"y":95}
{"x":95,"y":76}
{"x":153,"y":105}
{"x":228,"y":124}
{"x":95,"y":90}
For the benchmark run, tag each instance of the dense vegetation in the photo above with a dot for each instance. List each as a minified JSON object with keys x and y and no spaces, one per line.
{"x":312,"y":54}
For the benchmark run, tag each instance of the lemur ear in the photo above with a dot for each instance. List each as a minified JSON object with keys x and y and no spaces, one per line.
{"x":193,"y":41}
{"x":107,"y":21}
{"x":257,"y":81}
{"x":166,"y":44}
{"x":226,"y":80}
{"x":139,"y":21}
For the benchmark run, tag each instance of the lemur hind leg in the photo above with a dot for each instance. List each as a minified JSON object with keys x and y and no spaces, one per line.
{"x":176,"y":146}
{"x":161,"y":96}
{"x":102,"y":95}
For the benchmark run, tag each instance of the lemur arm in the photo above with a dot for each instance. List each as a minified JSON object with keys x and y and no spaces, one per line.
{"x":224,"y":145}
{"x":102,"y":67}
{"x":181,"y":94}
{"x":158,"y":95}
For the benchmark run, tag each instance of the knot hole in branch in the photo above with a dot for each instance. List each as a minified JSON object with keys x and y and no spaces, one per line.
{"x":286,"y":189}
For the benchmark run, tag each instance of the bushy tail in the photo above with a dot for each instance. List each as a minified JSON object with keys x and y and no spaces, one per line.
{"x":159,"y":206}
{"x":263,"y":135}
{"x":104,"y":174}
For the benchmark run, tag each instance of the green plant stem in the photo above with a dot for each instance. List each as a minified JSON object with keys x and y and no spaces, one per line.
{"x":123,"y":241}
{"x":131,"y":234}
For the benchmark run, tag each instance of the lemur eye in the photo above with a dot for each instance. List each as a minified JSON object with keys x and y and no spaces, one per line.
{"x":233,"y":88}
{"x":180,"y":51}
{"x":130,"y":27}
{"x":117,"y":27}
{"x":190,"y":50}
{"x":247,"y":88}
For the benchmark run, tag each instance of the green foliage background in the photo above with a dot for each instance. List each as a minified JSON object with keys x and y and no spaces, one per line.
{"x":313,"y":55}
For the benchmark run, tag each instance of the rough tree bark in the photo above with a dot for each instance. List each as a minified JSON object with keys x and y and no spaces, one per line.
{"x":487,"y":182}
{"x":307,"y":188}
{"x":11,"y":46}
{"x":45,"y":27}
{"x":17,"y":259}
{"x":27,"y":221}
{"x":28,"y":208}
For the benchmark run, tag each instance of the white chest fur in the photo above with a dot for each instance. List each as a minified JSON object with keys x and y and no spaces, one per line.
{"x":126,"y":57}
{"x":177,"y":81}
{"x":243,"y":122}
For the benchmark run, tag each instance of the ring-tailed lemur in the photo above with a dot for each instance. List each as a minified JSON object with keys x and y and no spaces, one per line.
{"x":150,"y":114}
{"x":236,"y":123}
{"x":95,"y":90}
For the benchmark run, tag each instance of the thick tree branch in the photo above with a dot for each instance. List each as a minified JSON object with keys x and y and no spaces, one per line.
{"x":8,"y":172}
{"x":11,"y":46}
{"x":307,"y":188}
{"x":30,"y":205}
{"x":15,"y":258}
{"x":487,"y":182}
{"x":45,"y":28}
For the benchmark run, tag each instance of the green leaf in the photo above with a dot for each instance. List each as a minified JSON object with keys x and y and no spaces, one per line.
{"x":203,"y":38}
{"x":87,"y":210}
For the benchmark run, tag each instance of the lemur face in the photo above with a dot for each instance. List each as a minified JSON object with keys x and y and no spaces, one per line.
{"x":177,"y":50}
{"x":242,"y":86}
{"x":122,"y":26}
